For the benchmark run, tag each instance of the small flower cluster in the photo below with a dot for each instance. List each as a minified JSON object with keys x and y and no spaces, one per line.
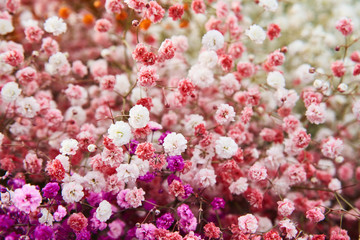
{"x":180,"y":120}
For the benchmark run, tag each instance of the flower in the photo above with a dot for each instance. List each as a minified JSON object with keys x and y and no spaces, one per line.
{"x":238,"y":187}
{"x":256,"y":34}
{"x":139,"y":116}
{"x":69,"y":147}
{"x":10,"y":91}
{"x":174,"y":144}
{"x":72,"y":192}
{"x":226,"y":147}
{"x":27,"y":198}
{"x":275,"y":79}
{"x":103,"y":212}
{"x":120,"y":133}
{"x":269,"y":5}
{"x":5,"y":26}
{"x":55,"y":25}
{"x":248,"y":223}
{"x":213,"y":40}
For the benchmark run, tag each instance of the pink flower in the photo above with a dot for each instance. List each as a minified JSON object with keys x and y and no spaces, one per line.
{"x":154,"y":12}
{"x":315,"y":215}
{"x":32,"y":163}
{"x":166,"y":50}
{"x":77,"y":222}
{"x":345,"y":26}
{"x":198,"y":6}
{"x":332,"y":147}
{"x":224,"y":114}
{"x":134,"y":197}
{"x":33,"y":34}
{"x":27,"y":198}
{"x":147,"y":77}
{"x":338,"y":68}
{"x":211,"y":231}
{"x":14,"y":57}
{"x":257,"y":173}
{"x":176,"y":11}
{"x":273,"y":31}
{"x":285,"y":207}
{"x":288,"y":228}
{"x":248,"y":223}
{"x":316,"y":113}
{"x":145,"y":150}
{"x":113,"y":6}
{"x":102,"y":25}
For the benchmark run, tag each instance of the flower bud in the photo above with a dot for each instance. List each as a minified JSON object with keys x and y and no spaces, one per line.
{"x":343,"y":87}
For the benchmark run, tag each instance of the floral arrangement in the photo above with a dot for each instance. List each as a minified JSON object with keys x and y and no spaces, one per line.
{"x":179,"y":119}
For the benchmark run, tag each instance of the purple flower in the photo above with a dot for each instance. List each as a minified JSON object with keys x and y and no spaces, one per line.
{"x":218,"y":203}
{"x":51,"y":190}
{"x":163,"y":136}
{"x":175,"y":163}
{"x":83,"y":235}
{"x":146,"y":232}
{"x":184,"y":212}
{"x":188,"y":225}
{"x":171,"y":178}
{"x":16,"y":183}
{"x":43,"y":232}
{"x":133,"y":146}
{"x":5,"y":223}
{"x":165,"y":221}
{"x":188,"y":190}
{"x":148,"y":177}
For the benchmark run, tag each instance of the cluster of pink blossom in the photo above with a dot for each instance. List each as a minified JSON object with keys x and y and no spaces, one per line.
{"x":179,"y":120}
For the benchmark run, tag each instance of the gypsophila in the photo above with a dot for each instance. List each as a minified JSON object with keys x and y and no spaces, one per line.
{"x":226,"y":147}
{"x":174,"y":144}
{"x":55,"y":25}
{"x":10,"y":92}
{"x":256,"y":34}
{"x":120,"y":133}
{"x":103,"y":212}
{"x":139,"y":116}
{"x":213,"y":40}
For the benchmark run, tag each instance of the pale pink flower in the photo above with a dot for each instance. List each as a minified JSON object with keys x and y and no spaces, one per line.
{"x":27,"y":198}
{"x":248,"y":223}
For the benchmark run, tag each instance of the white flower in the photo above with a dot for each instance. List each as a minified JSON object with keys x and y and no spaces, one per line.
{"x":213,"y":40}
{"x":208,"y":59}
{"x":275,"y":79}
{"x":142,"y":165}
{"x":5,"y":26}
{"x":256,"y":34}
{"x":128,"y":172}
{"x":76,"y":113}
{"x":239,"y":186}
{"x":139,"y":116}
{"x":226,"y":147}
{"x":55,"y":25}
{"x":10,"y":92}
{"x":91,"y":148}
{"x":58,"y":63}
{"x":72,"y":192}
{"x":28,"y":107}
{"x":69,"y":147}
{"x":103,"y":212}
{"x":120,"y":133}
{"x":174,"y":144}
{"x":1,"y":138}
{"x":46,"y":217}
{"x":122,"y":84}
{"x":269,"y":5}
{"x":201,"y":76}
{"x":95,"y":181}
